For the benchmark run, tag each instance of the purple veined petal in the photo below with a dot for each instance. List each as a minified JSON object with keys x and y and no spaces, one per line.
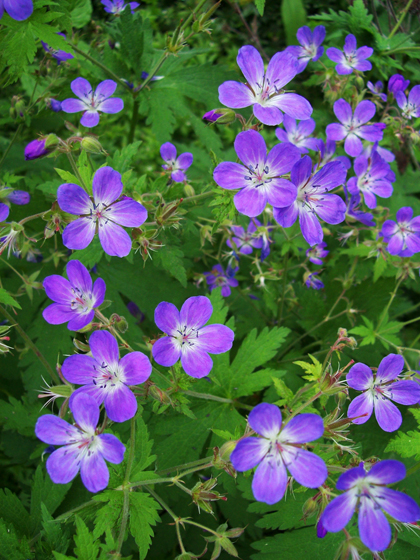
{"x":104,"y":348}
{"x":79,"y":276}
{"x":63,"y":464}
{"x":335,"y":54}
{"x":332,"y":175}
{"x":114,"y":240}
{"x":73,"y":199}
{"x":390,"y":368}
{"x":353,"y":145}
{"x":120,"y":404}
{"x":217,"y":339}
{"x":401,"y":99}
{"x":99,"y":289}
{"x":350,"y":44}
{"x":349,"y":478}
{"x":336,"y":132}
{"x":136,"y":368}
{"x":105,"y":89}
{"x":318,"y":35}
{"x":372,"y":132}
{"x":79,"y":234}
{"x":282,"y":158}
{"x":235,"y":95}
{"x":94,"y":472}
{"x":387,"y":414}
{"x":79,"y":369}
{"x":281,"y":69}
{"x":55,"y":431}
{"x":196,"y":311}
{"x":80,"y":320}
{"x":250,"y":201}
{"x":58,"y":313}
{"x":306,"y":468}
{"x":111,"y":448}
{"x":366,"y":52}
{"x":281,"y":193}
{"x":250,"y":147}
{"x":167,"y":317}
{"x":319,"y":53}
{"x":250,"y":62}
{"x":168,"y":152}
{"x":178,"y":176}
{"x":301,"y":171}
{"x":107,"y":185}
{"x":404,"y":214}
{"x":398,"y":505}
{"x":18,"y":9}
{"x":111,"y":106}
{"x":387,"y":472}
{"x":304,"y":36}
{"x":310,"y":226}
{"x":281,"y":135}
{"x":306,"y":127}
{"x":286,"y":217}
{"x":90,"y":119}
{"x":361,"y":164}
{"x":90,"y":390}
{"x":364,"y":111}
{"x":293,"y":105}
{"x":339,"y":512}
{"x":403,"y":392}
{"x":360,"y":377}
{"x":127,"y":213}
{"x":72,"y":105}
{"x":4,"y":212}
{"x":363,"y":66}
{"x":239,"y":231}
{"x":374,"y":529}
{"x":196,"y":362}
{"x":413,"y":243}
{"x":343,"y":112}
{"x":166,"y":352}
{"x":270,"y":116}
{"x":389,"y":228}
{"x":81,"y":88}
{"x":332,"y":209}
{"x":58,"y":289}
{"x":270,"y":480}
{"x":290,"y":124}
{"x":265,"y":419}
{"x":361,"y":406}
{"x":229,"y":175}
{"x":185,"y":160}
{"x":396,"y":244}
{"x":85,"y":411}
{"x":248,"y":453}
{"x":303,"y":428}
{"x":414,"y":96}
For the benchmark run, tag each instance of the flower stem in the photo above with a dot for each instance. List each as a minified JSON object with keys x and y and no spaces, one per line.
{"x":162,"y":503}
{"x":385,"y":311}
{"x":199,"y":525}
{"x":283,"y":289}
{"x":197,"y":197}
{"x":186,"y":465}
{"x":154,"y":71}
{"x":134,"y":119}
{"x":399,"y":22}
{"x":303,"y":406}
{"x":76,"y":171}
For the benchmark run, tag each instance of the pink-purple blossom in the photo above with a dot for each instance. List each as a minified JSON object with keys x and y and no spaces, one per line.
{"x":218,"y":278}
{"x":402,"y":236}
{"x":245,"y":241}
{"x":17,"y":9}
{"x":352,"y":58}
{"x":317,"y":253}
{"x":376,"y":89}
{"x":177,"y":166}
{"x":298,"y":134}
{"x":310,"y":48}
{"x":373,"y":178}
{"x":410,"y":107}
{"x":314,"y":282}
{"x":397,"y":82}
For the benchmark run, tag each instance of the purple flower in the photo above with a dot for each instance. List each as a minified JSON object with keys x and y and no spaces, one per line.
{"x":118,"y":6}
{"x":378,"y":392}
{"x":366,"y":493}
{"x":212,"y":116}
{"x":218,"y":278}
{"x":55,"y":105}
{"x":372,"y":179}
{"x":402,"y":236}
{"x":107,"y":378}
{"x":75,"y":299}
{"x":4,"y":212}
{"x":327,"y":153}
{"x":82,"y":449}
{"x":314,"y":282}
{"x":385,"y":154}
{"x":278,"y":448}
{"x":298,"y":134}
{"x":145,"y":75}
{"x":317,"y":253}
{"x":264,"y":88}
{"x":266,"y":241}
{"x":311,"y":45}
{"x":36,"y":149}
{"x":17,"y":9}
{"x":313,"y":200}
{"x":353,"y":127}
{"x":353,"y":202}
{"x":245,"y":242}
{"x":397,"y":83}
{"x":14,"y":196}
{"x":176,"y":165}
{"x":58,"y":54}
{"x":92,"y":102}
{"x":410,"y":107}
{"x":376,"y":89}
{"x":188,"y":339}
{"x":259,"y":178}
{"x":105,"y":214}
{"x":352,"y":58}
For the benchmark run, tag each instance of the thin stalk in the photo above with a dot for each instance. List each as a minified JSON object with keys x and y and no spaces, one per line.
{"x":199,"y":525}
{"x":208,"y":397}
{"x":162,"y":503}
{"x":12,"y":141}
{"x":303,"y":406}
{"x":154,"y":71}
{"x":186,"y":465}
{"x":399,"y":22}
{"x":76,"y":171}
{"x":190,"y":17}
{"x":283,"y":289}
{"x":385,"y":311}
{"x":197,"y":197}
{"x":134,"y":119}
{"x":126,"y":485}
{"x":14,"y":270}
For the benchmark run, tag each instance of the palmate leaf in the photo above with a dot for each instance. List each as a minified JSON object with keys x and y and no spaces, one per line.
{"x":87,"y":547}
{"x":143,"y":516}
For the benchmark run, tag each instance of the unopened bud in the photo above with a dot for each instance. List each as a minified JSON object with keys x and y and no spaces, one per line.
{"x":310,"y":507}
{"x":220,"y":116}
{"x":81,"y":345}
{"x":233,"y":533}
{"x":92,"y":145}
{"x":360,"y":82}
{"x":51,"y":142}
{"x":189,"y":190}
{"x":226,"y":450}
{"x":120,"y":322}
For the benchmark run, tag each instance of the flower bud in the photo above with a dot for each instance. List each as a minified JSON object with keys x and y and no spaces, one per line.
{"x":360,"y":82}
{"x":51,"y":142}
{"x":220,"y":116}
{"x":226,"y":450}
{"x":189,"y":190}
{"x":92,"y":145}
{"x":20,"y":108}
{"x":41,"y":147}
{"x":55,"y":105}
{"x":81,"y":345}
{"x":120,"y":322}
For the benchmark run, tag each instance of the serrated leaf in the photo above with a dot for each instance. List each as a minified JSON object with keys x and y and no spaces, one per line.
{"x":406,"y":445}
{"x":314,"y":370}
{"x":12,"y":511}
{"x":142,"y":449}
{"x":67,"y":176}
{"x":86,"y":547}
{"x":13,"y":547}
{"x":45,"y":491}
{"x":143,"y":516}
{"x":260,"y":6}
{"x":379,"y":268}
{"x":171,"y":259}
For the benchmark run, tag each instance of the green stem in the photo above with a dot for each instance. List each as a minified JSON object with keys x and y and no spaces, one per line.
{"x":76,"y":171}
{"x":283,"y":289}
{"x":385,"y":311}
{"x":185,"y":465}
{"x":162,"y":503}
{"x":208,"y":397}
{"x":197,"y":197}
{"x":303,"y":406}
{"x":132,"y":450}
{"x":133,"y":123}
{"x":199,"y":525}
{"x":12,"y":141}
{"x":399,"y":22}
{"x":190,"y":17}
{"x":14,"y":270}
{"x":154,"y":71}
{"x":33,"y":217}
{"x":124,"y":521}
{"x":413,"y":469}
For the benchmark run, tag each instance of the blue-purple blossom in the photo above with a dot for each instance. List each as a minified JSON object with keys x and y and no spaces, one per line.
{"x":397,"y":82}
{"x":410,"y":107}
{"x":298,"y":134}
{"x":4,"y":212}
{"x":245,"y":241}
{"x":373,"y":179}
{"x":378,"y":392}
{"x":310,"y":48}
{"x":353,"y":202}
{"x":212,"y":116}
{"x":353,"y":127}
{"x":314,"y":282}
{"x":402,"y":236}
{"x":263,"y":89}
{"x":92,"y":102}
{"x":36,"y":149}
{"x":218,"y":278}
{"x":58,"y":54}
{"x":385,"y":154}
{"x":313,"y":201}
{"x":376,"y":89}
{"x":75,"y":299}
{"x":55,"y":105}
{"x":278,"y":448}
{"x":106,"y":377}
{"x":317,"y":253}
{"x":352,"y":58}
{"x":366,"y":493}
{"x":118,"y":6}
{"x":188,"y":338}
{"x":176,"y":165}
{"x":259,"y":176}
{"x":103,"y":215}
{"x":327,"y":154}
{"x":83,"y":448}
{"x":15,"y":196}
{"x":17,"y":9}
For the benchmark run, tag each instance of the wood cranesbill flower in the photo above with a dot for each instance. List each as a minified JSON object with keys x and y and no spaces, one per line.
{"x":58,"y":54}
{"x":259,"y":177}
{"x":4,"y":211}
{"x":105,"y":214}
{"x":385,"y":154}
{"x":397,"y":82}
{"x":118,"y":6}
{"x":327,"y":154}
{"x":366,"y":493}
{"x":17,"y":9}
{"x":373,"y":178}
{"x":75,"y":299}
{"x":353,"y":202}
{"x":410,"y":107}
{"x":277,"y":449}
{"x":317,"y":253}
{"x":312,"y":281}
{"x":298,"y":134}
{"x":218,"y":278}
{"x":246,"y":241}
{"x":92,"y":102}
{"x":376,"y":89}
{"x":310,"y":48}
{"x":107,"y":378}
{"x":402,"y":236}
{"x":352,"y":58}
{"x":36,"y":149}
{"x":379,"y":391}
{"x":263,"y":89}
{"x":83,"y":448}
{"x":176,"y":165}
{"x":188,"y":338}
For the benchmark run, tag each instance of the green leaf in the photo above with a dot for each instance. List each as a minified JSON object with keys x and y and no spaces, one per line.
{"x":67,"y":176}
{"x":121,"y":160}
{"x":86,"y":547}
{"x":260,"y":6}
{"x":81,"y":14}
{"x":143,"y":516}
{"x":314,"y":370}
{"x":171,"y":259}
{"x":91,"y":255}
{"x":142,"y":449}
{"x":19,"y":415}
{"x":109,"y":514}
{"x":379,"y":268}
{"x":6,"y":298}
{"x":293,"y":14}
{"x":12,"y":511}
{"x":13,"y":547}
{"x":407,"y":445}
{"x":54,"y":533}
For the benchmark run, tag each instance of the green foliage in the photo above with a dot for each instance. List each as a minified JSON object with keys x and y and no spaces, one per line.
{"x":143,"y":516}
{"x":7,"y":299}
{"x":293,"y":14}
{"x":407,"y":444}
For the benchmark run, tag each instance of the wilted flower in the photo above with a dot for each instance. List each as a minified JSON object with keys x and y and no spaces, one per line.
{"x":317,"y":253}
{"x":376,"y":89}
{"x":55,"y":105}
{"x":314,"y":282}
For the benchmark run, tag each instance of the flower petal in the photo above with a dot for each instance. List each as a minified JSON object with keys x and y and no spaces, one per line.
{"x":115,"y":240}
{"x":390,"y":368}
{"x":335,"y":132}
{"x":281,"y":193}
{"x":81,"y":88}
{"x":104,"y":348}
{"x":343,"y":112}
{"x":374,"y":529}
{"x":339,"y":512}
{"x":58,"y":289}
{"x":120,"y":404}
{"x":73,"y":199}
{"x":94,"y":472}
{"x":387,"y":472}
{"x":403,"y":392}
{"x":58,"y":313}
{"x":349,"y":478}
{"x":136,"y":368}
{"x":196,"y":311}
{"x":270,"y":480}
{"x":397,"y":504}
{"x":281,"y":69}
{"x":111,"y":448}
{"x":360,"y":377}
{"x":229,"y":175}
{"x":185,"y":160}
{"x":265,"y":419}
{"x":248,"y":453}
{"x":250,"y":147}
{"x":79,"y":276}
{"x":250,"y":62}
{"x":281,"y":159}
{"x":166,"y":351}
{"x":310,"y":226}
{"x":90,"y":119}
{"x":270,"y":116}
{"x":195,"y":361}
{"x":216,"y":339}
{"x":55,"y":431}
{"x":80,"y":320}
{"x":127,"y":213}
{"x":99,"y":289}
{"x":387,"y":414}
{"x":167,"y":317}
{"x":286,"y":217}
{"x":107,"y":185}
{"x":72,"y":105}
{"x":105,"y":89}
{"x":361,"y":405}
{"x":353,"y":145}
{"x":79,"y":234}
{"x":364,"y":111}
{"x":250,"y":201}
{"x":303,"y":428}
{"x":63,"y":464}
{"x":235,"y":95}
{"x":306,"y":468}
{"x":293,"y":105}
{"x":301,"y":171}
{"x":168,"y":152}
{"x":85,"y":411}
{"x":79,"y":369}
{"x":111,"y":106}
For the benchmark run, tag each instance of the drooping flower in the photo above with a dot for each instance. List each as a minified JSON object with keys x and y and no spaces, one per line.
{"x":376,"y":89}
{"x":188,"y":339}
{"x":263,"y":89}
{"x":259,"y":178}
{"x":379,"y":391}
{"x":17,"y":9}
{"x":92,"y":102}
{"x":277,"y":449}
{"x":107,"y":378}
{"x":317,"y":253}
{"x":136,"y":312}
{"x":397,"y":82}
{"x":58,"y":54}
{"x":314,"y":282}
{"x":176,"y":165}
{"x":220,"y":115}
{"x":55,"y":105}
{"x":118,"y":6}
{"x":352,"y":58}
{"x":410,"y":107}
{"x":353,"y":202}
{"x":353,"y":127}
{"x":36,"y":149}
{"x":366,"y":493}
{"x":83,"y":449}
{"x":75,"y":299}
{"x":310,"y":48}
{"x":246,"y":241}
{"x":402,"y":236}
{"x":105,"y":214}
{"x":218,"y":278}
{"x":298,"y":134}
{"x":313,"y":199}
{"x":327,"y":153}
{"x":372,"y":179}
